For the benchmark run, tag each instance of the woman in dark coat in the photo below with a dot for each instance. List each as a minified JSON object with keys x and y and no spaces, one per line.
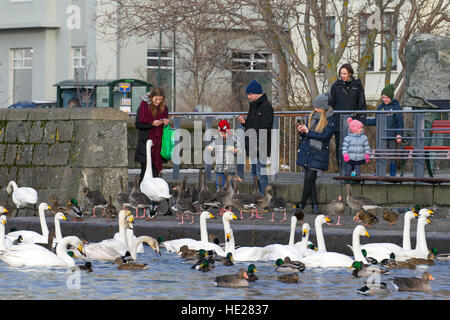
{"x":314,"y":148}
{"x":150,"y":117}
{"x":347,"y":93}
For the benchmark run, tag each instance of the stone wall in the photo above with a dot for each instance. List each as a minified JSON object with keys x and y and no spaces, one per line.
{"x":60,"y":151}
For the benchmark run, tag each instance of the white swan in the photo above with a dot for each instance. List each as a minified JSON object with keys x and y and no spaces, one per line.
{"x":33,"y":255}
{"x":326,"y":259}
{"x":383,"y":250}
{"x":110,"y":249}
{"x":23,"y":196}
{"x":176,"y":244}
{"x":152,"y":242}
{"x":318,"y":222}
{"x":58,"y":234}
{"x":131,"y":239}
{"x":421,"y":250}
{"x":425,"y":213}
{"x":303,"y":244}
{"x":29,"y":236}
{"x":156,"y":189}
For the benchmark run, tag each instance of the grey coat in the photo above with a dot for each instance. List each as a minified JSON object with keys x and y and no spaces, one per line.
{"x":356,"y":145}
{"x":225,"y":161}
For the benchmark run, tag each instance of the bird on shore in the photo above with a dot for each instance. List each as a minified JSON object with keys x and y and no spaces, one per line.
{"x":122,"y":197}
{"x":277,"y":204}
{"x":367,"y":217}
{"x":336,"y":207}
{"x":390,"y":215}
{"x":359,"y":203}
{"x":22,"y":197}
{"x":110,"y":210}
{"x":95,"y":199}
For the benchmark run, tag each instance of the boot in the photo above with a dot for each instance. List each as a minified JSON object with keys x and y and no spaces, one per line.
{"x":315,"y":208}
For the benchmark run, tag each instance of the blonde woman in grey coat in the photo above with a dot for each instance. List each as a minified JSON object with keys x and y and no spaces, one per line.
{"x":355,"y":148}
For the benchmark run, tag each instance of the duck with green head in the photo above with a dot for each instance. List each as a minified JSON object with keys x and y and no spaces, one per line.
{"x":361,"y":270}
{"x":251,"y":273}
{"x":281,"y":266}
{"x":228,"y":261}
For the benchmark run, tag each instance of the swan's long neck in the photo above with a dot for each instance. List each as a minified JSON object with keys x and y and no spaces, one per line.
{"x":130,"y":237}
{"x":421,"y":242}
{"x":357,"y":253}
{"x":320,"y":239}
{"x":406,"y":234}
{"x":61,"y":250}
{"x":58,"y":233}
{"x":2,"y":237}
{"x":122,"y":230}
{"x":134,"y":246}
{"x":304,"y":242}
{"x":292,"y":235}
{"x":11,"y":187}
{"x":229,"y":246}
{"x":203,"y":229}
{"x":148,"y":170}
{"x":44,"y":227}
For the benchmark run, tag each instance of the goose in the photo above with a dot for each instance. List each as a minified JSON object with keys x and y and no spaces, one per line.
{"x":222,"y":199}
{"x":359,"y":202}
{"x":122,"y":197}
{"x":204,"y":194}
{"x":196,"y":190}
{"x":138,"y":199}
{"x":277,"y":204}
{"x":336,"y":207}
{"x":32,"y":236}
{"x":288,"y":278}
{"x":383,"y":250}
{"x":232,"y":280}
{"x":241,"y":201}
{"x":261,"y":200}
{"x":390,"y":215}
{"x":412,"y":283}
{"x":184,"y":203}
{"x":110,"y":249}
{"x":336,"y":260}
{"x":32,"y":255}
{"x":421,"y":250}
{"x":251,"y":269}
{"x":156,"y":189}
{"x":95,"y":199}
{"x":175,"y":245}
{"x":23,"y":196}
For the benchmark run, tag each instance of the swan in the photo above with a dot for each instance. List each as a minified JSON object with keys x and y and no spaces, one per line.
{"x":33,"y":255}
{"x":110,"y":249}
{"x":176,"y":244}
{"x":318,"y":222}
{"x":58,"y":235}
{"x":303,"y":245}
{"x":383,"y":250}
{"x":156,"y":189}
{"x":326,"y":259}
{"x":152,"y":242}
{"x":32,"y":236}
{"x":23,"y":196}
{"x":421,"y":250}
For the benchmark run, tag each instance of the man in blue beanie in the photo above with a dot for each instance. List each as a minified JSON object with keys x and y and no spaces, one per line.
{"x":259,"y":118}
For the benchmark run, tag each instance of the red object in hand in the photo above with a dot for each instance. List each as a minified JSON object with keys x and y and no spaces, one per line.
{"x":367,"y":158}
{"x":346,"y":157}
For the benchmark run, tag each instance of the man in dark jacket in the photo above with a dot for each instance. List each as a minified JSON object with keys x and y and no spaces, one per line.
{"x":347,"y":93}
{"x":259,"y":118}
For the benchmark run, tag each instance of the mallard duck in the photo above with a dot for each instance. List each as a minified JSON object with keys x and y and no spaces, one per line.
{"x":359,"y":202}
{"x":130,"y":265}
{"x":413,"y":284}
{"x":228,"y":261}
{"x":336,"y":207}
{"x":298,"y":212}
{"x":122,"y":197}
{"x":196,"y":258}
{"x":299,"y":264}
{"x":440,"y":256}
{"x":428,"y":261}
{"x":251,"y":269}
{"x":95,"y":199}
{"x":390,"y":215}
{"x":288,"y":278}
{"x":75,"y":210}
{"x":204,"y":266}
{"x":367,"y":217}
{"x":185,"y":252}
{"x":18,"y":240}
{"x":23,"y":196}
{"x":370,"y":260}
{"x":232,"y":280}
{"x":138,"y":199}
{"x":391,"y":263}
{"x":281,"y":266}
{"x":373,"y":288}
{"x":277,"y":204}
{"x":361,"y":270}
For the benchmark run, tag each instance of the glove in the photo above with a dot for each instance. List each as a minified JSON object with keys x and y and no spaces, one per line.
{"x":346,"y":157}
{"x":367,"y":158}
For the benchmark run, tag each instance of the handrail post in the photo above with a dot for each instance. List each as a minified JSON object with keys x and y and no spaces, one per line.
{"x":343,"y":125}
{"x":176,"y":167}
{"x":419,"y":143}
{"x":208,"y":125}
{"x":274,"y":149}
{"x":381,"y":143}
{"x":240,"y":167}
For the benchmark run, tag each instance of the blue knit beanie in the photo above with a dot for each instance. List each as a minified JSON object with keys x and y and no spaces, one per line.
{"x":254,"y":87}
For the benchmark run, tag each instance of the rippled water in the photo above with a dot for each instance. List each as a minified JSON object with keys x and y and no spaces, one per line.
{"x":169,"y":278}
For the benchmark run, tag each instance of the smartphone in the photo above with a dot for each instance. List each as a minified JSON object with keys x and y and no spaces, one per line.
{"x":237,"y":117}
{"x":300,"y":121}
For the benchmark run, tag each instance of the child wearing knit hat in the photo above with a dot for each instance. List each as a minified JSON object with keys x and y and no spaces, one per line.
{"x":355,"y":148}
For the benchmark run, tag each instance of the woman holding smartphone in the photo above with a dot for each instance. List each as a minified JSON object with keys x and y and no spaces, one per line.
{"x":150,"y":118}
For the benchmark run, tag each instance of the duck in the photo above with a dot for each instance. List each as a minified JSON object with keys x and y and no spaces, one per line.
{"x":421,"y":250}
{"x":383,"y":250}
{"x":298,"y":212}
{"x":186,"y":253}
{"x":391,"y":263}
{"x":204,"y":266}
{"x":228,"y":261}
{"x":428,"y":261}
{"x":129,"y":265}
{"x":232,"y":280}
{"x":326,"y":259}
{"x":390,"y":215}
{"x":281,"y":266}
{"x":412,"y":283}
{"x":75,"y":210}
{"x":110,"y":249}
{"x":194,"y":195}
{"x":138,"y":199}
{"x":23,"y":196}
{"x":95,"y":199}
{"x":440,"y":256}
{"x":87,"y":266}
{"x":277,"y":204}
{"x":361,"y":270}
{"x":295,"y":263}
{"x":242,"y":201}
{"x":373,"y":288}
{"x":359,"y":202}
{"x":288,"y":278}
{"x":17,"y":241}
{"x":122,"y":197}
{"x":157,"y":189}
{"x":203,"y":243}
{"x":110,"y":210}
{"x":251,"y":269}
{"x":367,"y":217}
{"x":336,"y":207}
{"x":32,"y":236}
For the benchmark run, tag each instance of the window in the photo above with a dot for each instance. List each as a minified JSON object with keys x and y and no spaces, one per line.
{"x":389,"y":31}
{"x":22,"y":71}
{"x":251,"y":62}
{"x":164,"y":73}
{"x":363,"y":40}
{"x":79,"y":62}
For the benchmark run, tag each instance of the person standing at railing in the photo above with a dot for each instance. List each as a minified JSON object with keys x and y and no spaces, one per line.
{"x":355,"y":148}
{"x":150,"y":117}
{"x":394,"y":121}
{"x":259,"y":118}
{"x":347,"y":93}
{"x":314,"y":147}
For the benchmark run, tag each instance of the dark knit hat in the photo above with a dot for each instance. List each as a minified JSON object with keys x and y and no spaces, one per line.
{"x":388,"y":91}
{"x":321,"y":101}
{"x":254,"y":87}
